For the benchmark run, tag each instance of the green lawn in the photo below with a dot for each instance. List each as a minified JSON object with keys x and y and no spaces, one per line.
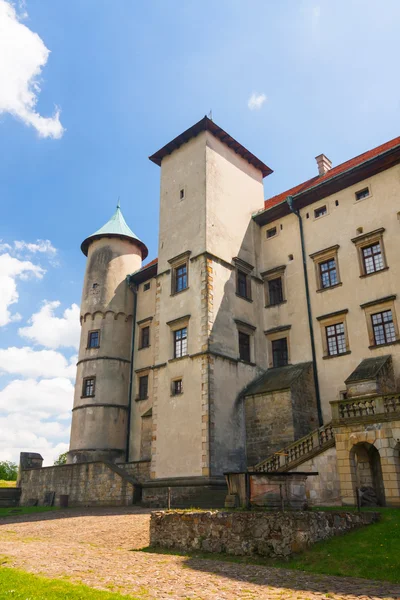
{"x":19,"y":585}
{"x":371,"y":552}
{"x":25,"y":510}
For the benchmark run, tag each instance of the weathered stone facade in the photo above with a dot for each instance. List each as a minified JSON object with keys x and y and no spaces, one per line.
{"x":250,"y":533}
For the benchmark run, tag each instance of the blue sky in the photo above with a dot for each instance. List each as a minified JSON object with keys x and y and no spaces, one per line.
{"x":127,"y":77}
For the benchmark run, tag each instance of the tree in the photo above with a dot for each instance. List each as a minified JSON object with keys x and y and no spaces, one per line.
{"x":62,"y":459}
{"x":8,"y":470}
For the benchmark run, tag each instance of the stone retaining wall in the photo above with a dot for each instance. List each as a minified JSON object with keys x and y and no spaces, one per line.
{"x":86,"y":484}
{"x":274,"y":534}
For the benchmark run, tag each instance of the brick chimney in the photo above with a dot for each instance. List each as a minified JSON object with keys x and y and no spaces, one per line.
{"x":324,"y":164}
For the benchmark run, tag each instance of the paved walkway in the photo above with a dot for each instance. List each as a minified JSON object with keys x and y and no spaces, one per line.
{"x":93,"y":546}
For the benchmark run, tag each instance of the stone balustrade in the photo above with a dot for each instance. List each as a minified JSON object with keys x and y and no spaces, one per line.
{"x":366,"y":408}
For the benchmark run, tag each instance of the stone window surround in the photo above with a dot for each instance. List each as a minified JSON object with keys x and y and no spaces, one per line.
{"x":180,"y":378}
{"x":376,"y":306}
{"x":142,"y":373}
{"x":360,"y":189}
{"x":85,"y":379}
{"x":179,"y":261}
{"x":323,"y":256}
{"x":274,"y":273}
{"x":247,"y":269}
{"x":277,"y":333}
{"x":248,"y":329}
{"x":141,"y":324}
{"x":334,"y":318}
{"x":367,"y":239}
{"x":88,"y":347}
{"x":175,"y":325}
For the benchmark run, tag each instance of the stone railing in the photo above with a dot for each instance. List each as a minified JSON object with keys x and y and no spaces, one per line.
{"x":365,"y":408}
{"x":298,"y":452}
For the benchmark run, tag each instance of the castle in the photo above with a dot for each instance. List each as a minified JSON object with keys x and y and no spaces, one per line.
{"x":263,"y":337}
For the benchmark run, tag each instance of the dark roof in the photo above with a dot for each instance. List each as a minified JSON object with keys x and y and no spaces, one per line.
{"x":146,"y":272}
{"x":277,"y":379}
{"x":207,"y":125}
{"x":368,"y":368}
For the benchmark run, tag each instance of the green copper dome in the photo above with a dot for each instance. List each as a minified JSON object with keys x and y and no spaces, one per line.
{"x":115,"y":227}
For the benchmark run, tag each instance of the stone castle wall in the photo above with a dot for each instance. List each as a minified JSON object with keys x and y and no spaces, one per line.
{"x":324,"y":489}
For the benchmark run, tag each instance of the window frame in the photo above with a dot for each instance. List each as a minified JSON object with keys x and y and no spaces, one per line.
{"x":242,"y":335}
{"x":177,"y":263}
{"x":366,"y":240}
{"x":271,"y":274}
{"x":275,"y":229}
{"x":244,"y":269}
{"x":142,"y":378}
{"x":379,"y":306}
{"x":383,"y":324}
{"x":274,"y":352}
{"x":181,"y":340}
{"x":90,"y":333}
{"x":275,"y":301}
{"x":274,"y":334}
{"x":324,"y":256}
{"x":333,"y":319}
{"x":323,"y":206}
{"x":337,"y":336}
{"x":373,"y":257}
{"x":84,"y":386}
{"x":368,"y":188}
{"x":142,"y":337}
{"x":174,"y":382}
{"x":146,"y":286}
{"x":245,"y":329}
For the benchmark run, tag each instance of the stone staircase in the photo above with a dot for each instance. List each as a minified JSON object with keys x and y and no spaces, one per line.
{"x":300,"y":451}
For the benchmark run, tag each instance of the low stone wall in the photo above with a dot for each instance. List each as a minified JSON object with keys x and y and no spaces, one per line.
{"x":250,"y":533}
{"x":85,"y":484}
{"x":138,"y":469}
{"x":9,"y":497}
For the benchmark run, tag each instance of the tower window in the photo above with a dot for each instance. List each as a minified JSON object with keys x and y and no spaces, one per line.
{"x":180,"y":342}
{"x":177,"y":387}
{"x":95,"y":285}
{"x":180,"y":278}
{"x":244,"y":346}
{"x":279,"y":352}
{"x":143,"y":387}
{"x":145,"y":337}
{"x":94,"y":339}
{"x":320,"y":212}
{"x":88,"y":387}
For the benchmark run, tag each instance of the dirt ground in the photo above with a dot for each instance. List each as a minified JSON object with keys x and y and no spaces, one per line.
{"x":93,"y":546}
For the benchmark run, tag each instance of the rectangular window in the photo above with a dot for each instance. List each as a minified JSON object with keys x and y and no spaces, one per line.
{"x":271,"y":232}
{"x":383,"y":327}
{"x":177,"y":387}
{"x":328,"y":273}
{"x":146,"y":286}
{"x":143,"y":387}
{"x":275,"y":291}
{"x":180,"y":278}
{"x":88,"y":387}
{"x":180,"y":342}
{"x":144,"y":337}
{"x":279,"y":352}
{"x":94,"y":339}
{"x":320,"y":212}
{"x":372,"y":258}
{"x":336,"y":339}
{"x":362,"y":194}
{"x":244,"y":346}
{"x":243,"y":285}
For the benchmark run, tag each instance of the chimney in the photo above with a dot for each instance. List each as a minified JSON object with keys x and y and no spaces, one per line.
{"x":324,"y":164}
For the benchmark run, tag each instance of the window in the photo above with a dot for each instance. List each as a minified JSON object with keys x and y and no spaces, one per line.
{"x":275,"y":291}
{"x":383,"y":327}
{"x":88,"y":387}
{"x":336,"y":340}
{"x":177,"y":387}
{"x":145,"y":337}
{"x":180,"y":342}
{"x":95,"y":285}
{"x":244,"y":346}
{"x":328,"y":273}
{"x":181,"y":194}
{"x":143,"y":387}
{"x":372,"y":258}
{"x":180,"y":278}
{"x":94,"y":339}
{"x":279,"y":352}
{"x":362,"y":194}
{"x":146,"y":286}
{"x":271,"y":232}
{"x":243,"y":285}
{"x":320,"y":212}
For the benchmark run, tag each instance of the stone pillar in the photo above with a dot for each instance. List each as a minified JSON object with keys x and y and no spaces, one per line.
{"x":28,"y":460}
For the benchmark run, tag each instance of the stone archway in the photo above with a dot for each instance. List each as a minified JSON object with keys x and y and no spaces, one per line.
{"x":366,"y":471}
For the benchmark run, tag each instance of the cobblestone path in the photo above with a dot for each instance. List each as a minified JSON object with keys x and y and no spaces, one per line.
{"x":92,"y":546}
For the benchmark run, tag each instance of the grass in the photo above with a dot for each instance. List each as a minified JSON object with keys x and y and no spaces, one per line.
{"x":7,"y":484}
{"x":371,"y":552}
{"x":25,"y":510}
{"x":19,"y":585}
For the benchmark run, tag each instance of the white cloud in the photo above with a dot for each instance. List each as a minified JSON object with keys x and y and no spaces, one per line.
{"x":45,"y":397}
{"x":23,"y":55}
{"x":42,"y":246}
{"x":36,"y":363}
{"x":54,"y":332}
{"x":10,"y":270}
{"x":256,"y":101}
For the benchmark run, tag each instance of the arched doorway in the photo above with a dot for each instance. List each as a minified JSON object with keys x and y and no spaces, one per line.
{"x":367,"y":474}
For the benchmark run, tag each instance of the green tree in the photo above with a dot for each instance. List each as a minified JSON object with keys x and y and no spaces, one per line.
{"x":62,"y":459}
{"x":8,"y":470}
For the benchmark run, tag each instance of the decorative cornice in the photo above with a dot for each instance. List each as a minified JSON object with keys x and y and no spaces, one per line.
{"x":174,"y":321}
{"x":82,"y":360}
{"x":379,"y":301}
{"x":324,"y":251}
{"x":245,"y":324}
{"x":277,"y":329}
{"x":364,"y":236}
{"x":100,"y":404}
{"x":276,"y":270}
{"x":333,"y":314}
{"x":180,"y":257}
{"x":144,"y":320}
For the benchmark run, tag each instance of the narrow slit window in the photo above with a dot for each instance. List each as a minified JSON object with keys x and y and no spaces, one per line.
{"x":383,"y":327}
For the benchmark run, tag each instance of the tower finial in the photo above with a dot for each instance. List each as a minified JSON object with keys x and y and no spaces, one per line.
{"x":118,"y":203}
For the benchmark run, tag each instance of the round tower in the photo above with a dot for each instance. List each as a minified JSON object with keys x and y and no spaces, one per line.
{"x":100,"y":412}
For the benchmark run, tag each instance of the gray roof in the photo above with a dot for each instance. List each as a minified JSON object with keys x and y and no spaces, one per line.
{"x":277,"y":379}
{"x":368,"y":368}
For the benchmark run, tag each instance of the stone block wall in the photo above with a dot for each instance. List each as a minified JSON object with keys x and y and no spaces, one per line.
{"x":278,"y":534}
{"x":138,"y":469}
{"x":323,"y":489}
{"x":86,"y":484}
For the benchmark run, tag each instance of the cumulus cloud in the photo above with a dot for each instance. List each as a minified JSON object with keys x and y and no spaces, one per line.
{"x":46,"y":397}
{"x":51,"y":331}
{"x":42,"y":246}
{"x":24,"y":55}
{"x":256,"y":101}
{"x":12,"y":269}
{"x":36,"y":363}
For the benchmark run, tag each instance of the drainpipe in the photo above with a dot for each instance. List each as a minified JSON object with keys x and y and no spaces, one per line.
{"x":289,"y":201}
{"x":128,"y":436}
